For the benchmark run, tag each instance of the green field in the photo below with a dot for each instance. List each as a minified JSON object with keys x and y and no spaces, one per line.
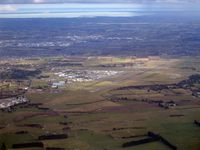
{"x":94,"y":121}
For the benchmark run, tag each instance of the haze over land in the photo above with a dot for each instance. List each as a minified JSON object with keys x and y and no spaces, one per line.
{"x":165,"y":34}
{"x":115,"y":28}
{"x":97,"y":28}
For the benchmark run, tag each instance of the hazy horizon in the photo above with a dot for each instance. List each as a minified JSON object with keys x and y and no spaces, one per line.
{"x":73,"y":10}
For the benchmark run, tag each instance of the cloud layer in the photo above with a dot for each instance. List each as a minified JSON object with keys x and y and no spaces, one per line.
{"x":7,"y":8}
{"x":71,"y":8}
{"x":95,"y":1}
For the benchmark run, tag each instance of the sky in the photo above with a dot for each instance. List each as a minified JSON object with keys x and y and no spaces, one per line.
{"x":96,"y":1}
{"x":90,"y":8}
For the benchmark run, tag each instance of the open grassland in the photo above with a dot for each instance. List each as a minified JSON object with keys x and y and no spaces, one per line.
{"x":91,"y":116}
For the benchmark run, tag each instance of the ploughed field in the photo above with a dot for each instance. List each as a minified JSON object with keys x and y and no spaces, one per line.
{"x":100,"y":103}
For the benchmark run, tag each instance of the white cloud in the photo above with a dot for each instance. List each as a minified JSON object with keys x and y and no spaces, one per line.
{"x":96,"y":1}
{"x":7,"y":8}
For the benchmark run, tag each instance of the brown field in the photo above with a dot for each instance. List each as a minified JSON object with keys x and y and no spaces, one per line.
{"x":85,"y":111}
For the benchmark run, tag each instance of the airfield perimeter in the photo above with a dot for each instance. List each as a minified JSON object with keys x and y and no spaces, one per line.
{"x":100,"y":103}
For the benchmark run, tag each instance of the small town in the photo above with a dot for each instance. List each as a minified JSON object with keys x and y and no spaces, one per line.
{"x":86,"y":75}
{"x":13,"y":101}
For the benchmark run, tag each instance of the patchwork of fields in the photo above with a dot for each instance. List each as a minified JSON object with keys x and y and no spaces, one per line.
{"x":142,"y":95}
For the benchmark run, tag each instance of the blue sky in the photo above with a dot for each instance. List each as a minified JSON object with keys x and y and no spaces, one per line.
{"x":66,"y":8}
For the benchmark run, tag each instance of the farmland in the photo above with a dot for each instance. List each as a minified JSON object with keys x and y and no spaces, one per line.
{"x":101,"y":103}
